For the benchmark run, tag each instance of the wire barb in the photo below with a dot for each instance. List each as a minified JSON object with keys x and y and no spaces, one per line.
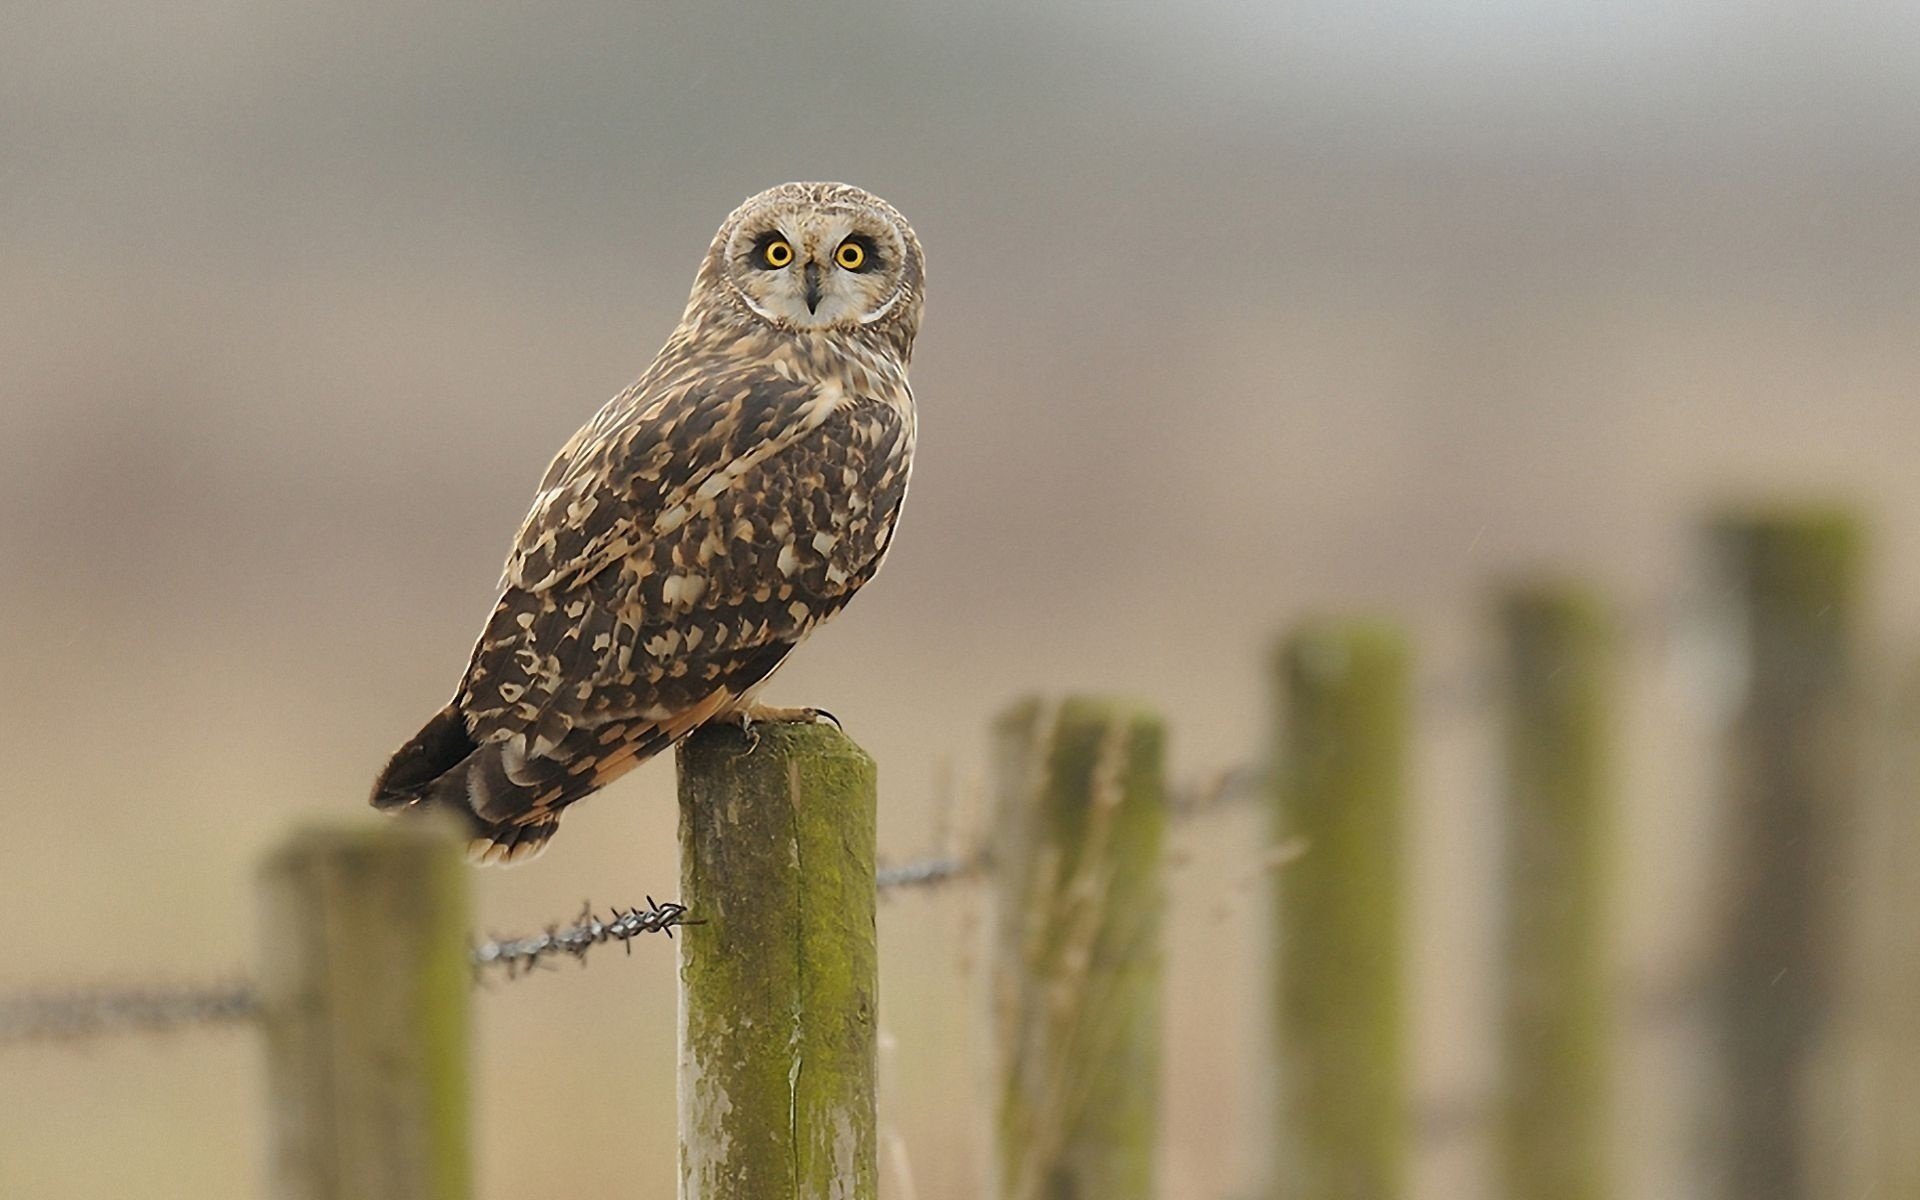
{"x":523,"y":954}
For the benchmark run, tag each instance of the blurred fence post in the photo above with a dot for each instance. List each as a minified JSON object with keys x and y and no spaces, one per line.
{"x":779,"y":983}
{"x":1339,"y":1029}
{"x":1557,"y":1006}
{"x":1892,"y":958}
{"x":1794,"y":580}
{"x":1077,"y":958}
{"x":364,"y":987}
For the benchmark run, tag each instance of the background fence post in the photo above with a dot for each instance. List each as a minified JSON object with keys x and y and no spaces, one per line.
{"x":1077,"y":957}
{"x":364,"y":986}
{"x":779,"y":985}
{"x":1891,"y":955}
{"x":1557,"y":1009}
{"x":1339,"y":1020}
{"x":1794,"y":578}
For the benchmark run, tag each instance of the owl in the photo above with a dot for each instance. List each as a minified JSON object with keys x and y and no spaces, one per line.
{"x":697,"y":528}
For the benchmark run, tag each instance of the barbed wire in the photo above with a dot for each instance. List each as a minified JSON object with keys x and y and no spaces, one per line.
{"x":71,"y":1014}
{"x":85,"y":1012}
{"x":517,"y":956}
{"x":931,"y":872}
{"x":1212,"y":793}
{"x":77,"y":1013}
{"x":1222,"y":789}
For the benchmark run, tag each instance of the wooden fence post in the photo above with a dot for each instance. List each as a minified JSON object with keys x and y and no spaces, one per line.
{"x":1557,"y":1005}
{"x":364,"y":986}
{"x":1795,"y":586}
{"x":1892,"y":958}
{"x":1077,"y":957}
{"x":1339,"y":1030}
{"x":779,"y":985}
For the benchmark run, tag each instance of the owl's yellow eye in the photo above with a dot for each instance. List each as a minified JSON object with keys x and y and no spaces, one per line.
{"x":776,"y":254}
{"x":851,"y":255}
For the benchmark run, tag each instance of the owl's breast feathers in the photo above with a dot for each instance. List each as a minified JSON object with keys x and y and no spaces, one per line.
{"x":684,"y":541}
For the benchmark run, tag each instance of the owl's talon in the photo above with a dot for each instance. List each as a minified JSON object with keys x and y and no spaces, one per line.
{"x":751,"y":717}
{"x":747,"y":725}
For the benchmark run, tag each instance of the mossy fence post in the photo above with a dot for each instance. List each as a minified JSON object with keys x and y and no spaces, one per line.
{"x":1794,"y":585}
{"x":1892,"y":1050}
{"x":1339,"y":1019}
{"x":1556,"y":1012}
{"x":779,"y":983}
{"x":1077,"y":952}
{"x":364,"y":988}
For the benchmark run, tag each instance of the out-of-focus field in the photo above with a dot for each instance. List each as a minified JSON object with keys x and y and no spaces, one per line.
{"x":1229,"y":322}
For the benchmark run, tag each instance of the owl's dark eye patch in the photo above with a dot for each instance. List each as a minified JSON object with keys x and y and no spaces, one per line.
{"x":858,"y":253}
{"x":771,"y":251}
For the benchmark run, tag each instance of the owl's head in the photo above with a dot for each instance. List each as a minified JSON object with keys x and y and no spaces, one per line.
{"x":820,"y":256}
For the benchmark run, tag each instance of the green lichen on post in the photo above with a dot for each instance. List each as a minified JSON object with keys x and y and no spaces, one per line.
{"x":365,"y":986}
{"x":1339,"y":1015}
{"x":1795,"y":581}
{"x":1077,"y":966}
{"x":779,"y":984}
{"x":1557,"y":652}
{"x":1794,"y":565}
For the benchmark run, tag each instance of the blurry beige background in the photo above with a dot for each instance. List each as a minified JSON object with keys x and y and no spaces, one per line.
{"x":1237,"y":311}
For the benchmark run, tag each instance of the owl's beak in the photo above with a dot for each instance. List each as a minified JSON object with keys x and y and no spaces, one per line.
{"x":812,"y":275}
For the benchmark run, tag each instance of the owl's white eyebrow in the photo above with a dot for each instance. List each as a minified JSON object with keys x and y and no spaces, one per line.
{"x":883,"y":310}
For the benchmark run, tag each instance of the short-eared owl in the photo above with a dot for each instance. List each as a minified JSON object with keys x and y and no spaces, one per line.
{"x":694,"y":531}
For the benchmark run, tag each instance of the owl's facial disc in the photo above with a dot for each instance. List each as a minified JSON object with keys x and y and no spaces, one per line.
{"x":817,"y":268}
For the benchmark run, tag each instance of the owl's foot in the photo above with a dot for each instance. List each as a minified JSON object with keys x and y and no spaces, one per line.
{"x":750,"y":717}
{"x":763,"y":714}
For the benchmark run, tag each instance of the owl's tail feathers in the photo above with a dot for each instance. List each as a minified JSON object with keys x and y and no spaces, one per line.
{"x":442,"y":745}
{"x":437,"y":770}
{"x":507,"y":845}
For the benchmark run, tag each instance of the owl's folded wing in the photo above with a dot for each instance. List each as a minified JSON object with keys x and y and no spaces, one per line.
{"x":635,"y":472}
{"x":675,"y":560}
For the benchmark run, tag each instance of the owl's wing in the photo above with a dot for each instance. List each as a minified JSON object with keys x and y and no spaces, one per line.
{"x":679,"y":551}
{"x":637,"y":471}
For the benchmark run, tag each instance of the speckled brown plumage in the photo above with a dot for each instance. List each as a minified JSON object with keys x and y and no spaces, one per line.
{"x":692,"y":533}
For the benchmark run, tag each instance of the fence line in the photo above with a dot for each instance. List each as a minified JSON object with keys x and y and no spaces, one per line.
{"x":76,"y":1012}
{"x":72,"y":1013}
{"x":95,"y":1010}
{"x":365,"y":969}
